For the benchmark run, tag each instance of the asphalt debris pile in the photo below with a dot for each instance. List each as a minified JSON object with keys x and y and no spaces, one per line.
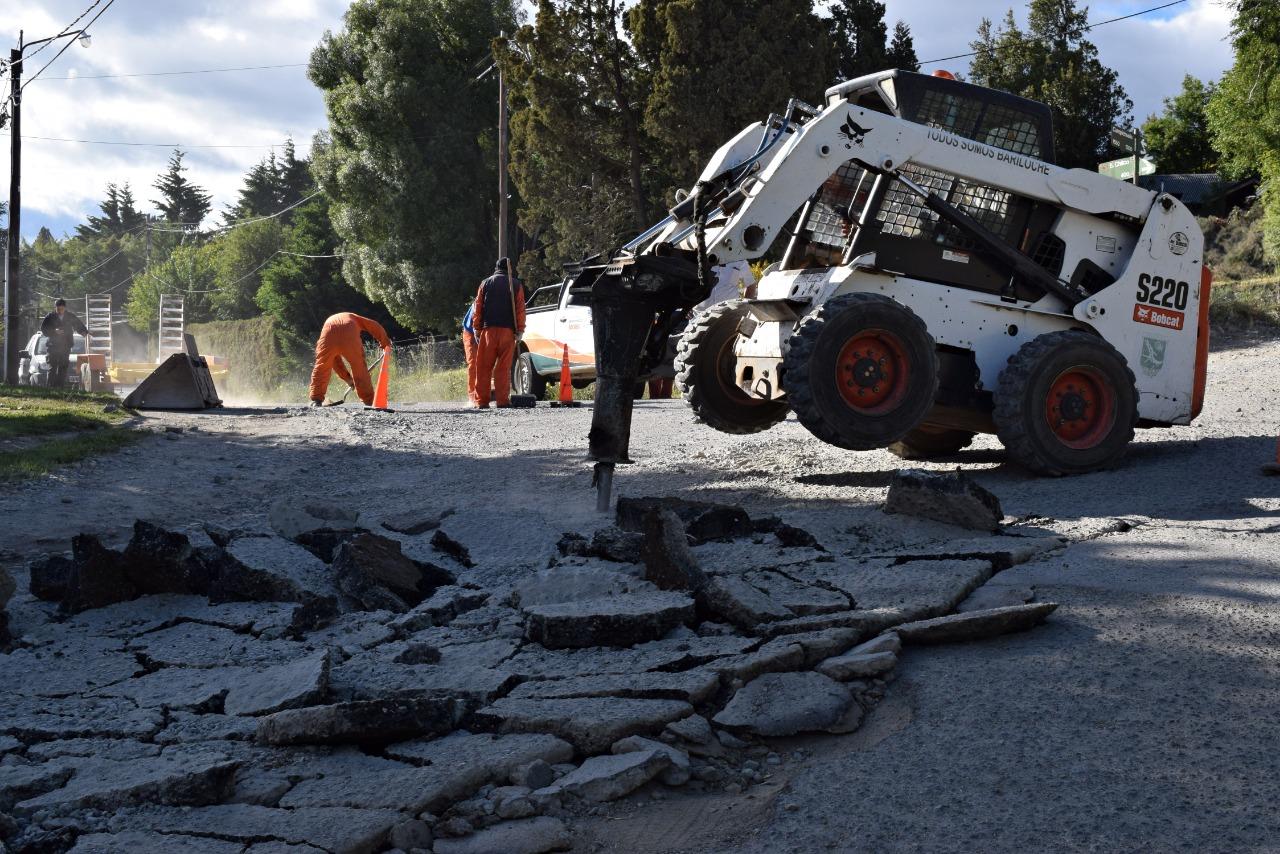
{"x":348,"y":684}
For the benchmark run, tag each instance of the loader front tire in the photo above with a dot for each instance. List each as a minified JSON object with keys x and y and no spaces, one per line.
{"x":705,"y":372}
{"x":928,"y":443}
{"x":861,"y":372}
{"x":1067,"y":403}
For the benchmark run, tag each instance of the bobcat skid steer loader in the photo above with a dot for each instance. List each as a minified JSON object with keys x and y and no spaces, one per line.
{"x":939,"y":277}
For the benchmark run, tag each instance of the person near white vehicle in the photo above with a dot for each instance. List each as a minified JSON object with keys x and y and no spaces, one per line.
{"x":61,"y":327}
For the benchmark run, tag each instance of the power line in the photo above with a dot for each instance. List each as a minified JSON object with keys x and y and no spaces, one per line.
{"x":1087,"y":28}
{"x":177,"y":73}
{"x":84,"y":30}
{"x":301,"y":255}
{"x":140,"y":144}
{"x":68,"y":28}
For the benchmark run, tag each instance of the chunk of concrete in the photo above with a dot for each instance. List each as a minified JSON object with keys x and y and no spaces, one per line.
{"x":622,"y":620}
{"x":842,"y":668}
{"x":694,"y":729}
{"x":731,"y":598}
{"x":22,"y":782}
{"x":203,"y":645}
{"x":919,"y":588}
{"x":676,"y":774}
{"x":524,"y":836}
{"x":668,"y":562}
{"x":98,"y":577}
{"x":45,"y":719}
{"x":333,"y":829}
{"x":797,"y":597}
{"x":703,"y":520}
{"x":953,"y":498}
{"x":462,"y":762}
{"x":366,"y":677}
{"x":444,"y":606}
{"x":572,"y":583}
{"x":118,"y":749}
{"x":51,"y":577}
{"x":287,"y":686}
{"x":617,"y":545}
{"x":607,"y":778}
{"x":693,"y":686}
{"x":290,"y":518}
{"x":778,"y":704}
{"x":142,"y":840}
{"x":157,"y":560}
{"x":372,"y":571}
{"x":976,"y":625}
{"x":391,"y":785}
{"x":361,"y":722}
{"x":991,"y":596}
{"x":415,"y":520}
{"x":185,"y":727}
{"x":179,"y":776}
{"x":590,"y":724}
{"x":269,"y":569}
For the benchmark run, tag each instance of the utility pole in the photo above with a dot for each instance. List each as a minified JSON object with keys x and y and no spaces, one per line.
{"x":12,"y":304}
{"x":502,"y":162}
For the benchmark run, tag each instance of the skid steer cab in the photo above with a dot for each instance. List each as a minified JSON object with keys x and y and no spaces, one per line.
{"x":937,"y":276}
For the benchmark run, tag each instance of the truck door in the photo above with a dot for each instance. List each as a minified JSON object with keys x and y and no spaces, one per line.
{"x":573,"y":327}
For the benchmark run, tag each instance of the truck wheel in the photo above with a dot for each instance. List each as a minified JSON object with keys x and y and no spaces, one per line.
{"x":927,"y":443}
{"x":525,"y":379}
{"x":705,"y":373}
{"x":1066,"y":403}
{"x":861,"y":372}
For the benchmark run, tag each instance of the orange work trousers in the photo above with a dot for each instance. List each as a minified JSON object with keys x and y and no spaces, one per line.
{"x":660,"y":388}
{"x":469,"y":347}
{"x":340,"y":342}
{"x":497,"y":345}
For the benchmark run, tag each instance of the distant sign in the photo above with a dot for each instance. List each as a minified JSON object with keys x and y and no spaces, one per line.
{"x":1123,"y":168}
{"x":1123,"y":139}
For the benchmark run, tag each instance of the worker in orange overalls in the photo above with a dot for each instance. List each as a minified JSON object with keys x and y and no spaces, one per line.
{"x":499,"y":321}
{"x":340,"y":342}
{"x":469,"y":347}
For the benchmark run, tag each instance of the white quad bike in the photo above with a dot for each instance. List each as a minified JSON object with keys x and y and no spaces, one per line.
{"x":940,"y":278}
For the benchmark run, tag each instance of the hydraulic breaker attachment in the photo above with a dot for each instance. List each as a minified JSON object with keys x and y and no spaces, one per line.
{"x":636,"y":302}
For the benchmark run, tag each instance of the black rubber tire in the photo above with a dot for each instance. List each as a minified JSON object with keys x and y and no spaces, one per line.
{"x":704,"y":374}
{"x":810,"y":368}
{"x":927,"y":443}
{"x":525,"y":379}
{"x":1021,"y":397}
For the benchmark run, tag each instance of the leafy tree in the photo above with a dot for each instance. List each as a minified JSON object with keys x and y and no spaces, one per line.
{"x":1179,"y":140}
{"x":1054,"y":63}
{"x":189,"y":271}
{"x":300,"y":290}
{"x":180,"y":200}
{"x":719,"y":65}
{"x":239,"y":258}
{"x":580,"y":154}
{"x":119,"y":215}
{"x":902,"y":49}
{"x":859,"y":35}
{"x":406,"y":167}
{"x":1244,"y":112}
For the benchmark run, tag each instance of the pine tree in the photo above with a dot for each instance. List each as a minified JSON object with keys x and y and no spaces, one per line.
{"x":859,"y":34}
{"x":902,"y":49}
{"x":119,"y":216}
{"x":1054,"y":63}
{"x":181,"y":202}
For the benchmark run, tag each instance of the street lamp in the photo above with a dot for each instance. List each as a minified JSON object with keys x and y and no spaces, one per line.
{"x":12,"y":303}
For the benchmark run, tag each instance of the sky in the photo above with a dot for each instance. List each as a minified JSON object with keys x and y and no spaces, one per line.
{"x":248,"y":113}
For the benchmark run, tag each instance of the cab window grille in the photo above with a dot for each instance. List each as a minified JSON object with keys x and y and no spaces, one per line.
{"x":1049,"y":252}
{"x":948,"y":112}
{"x":903,"y":212}
{"x":830,"y":217}
{"x":1009,"y":129}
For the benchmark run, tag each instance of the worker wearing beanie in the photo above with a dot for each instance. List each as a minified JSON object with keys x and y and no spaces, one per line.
{"x":340,"y":342}
{"x":499,"y":320}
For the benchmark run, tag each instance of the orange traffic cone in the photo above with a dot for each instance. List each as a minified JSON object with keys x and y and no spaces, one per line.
{"x":566,"y":382}
{"x":380,"y":393}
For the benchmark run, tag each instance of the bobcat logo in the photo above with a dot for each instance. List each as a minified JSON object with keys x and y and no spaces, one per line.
{"x":852,"y":131}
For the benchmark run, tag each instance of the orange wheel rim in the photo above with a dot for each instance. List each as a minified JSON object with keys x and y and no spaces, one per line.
{"x":872,"y":371}
{"x":1081,"y":407}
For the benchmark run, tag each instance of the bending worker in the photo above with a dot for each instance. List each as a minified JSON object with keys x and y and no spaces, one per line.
{"x":340,"y":342}
{"x":499,"y":321}
{"x":61,"y":328}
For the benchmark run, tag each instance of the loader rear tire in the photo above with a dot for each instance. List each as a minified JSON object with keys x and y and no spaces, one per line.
{"x":1067,"y":403}
{"x":705,"y":373}
{"x":861,"y":372}
{"x":928,"y":443}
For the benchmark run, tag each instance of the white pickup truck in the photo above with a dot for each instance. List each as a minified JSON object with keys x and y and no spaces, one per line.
{"x":550,"y":324}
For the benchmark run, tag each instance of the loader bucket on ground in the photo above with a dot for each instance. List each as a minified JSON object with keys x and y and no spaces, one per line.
{"x":181,"y":382}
